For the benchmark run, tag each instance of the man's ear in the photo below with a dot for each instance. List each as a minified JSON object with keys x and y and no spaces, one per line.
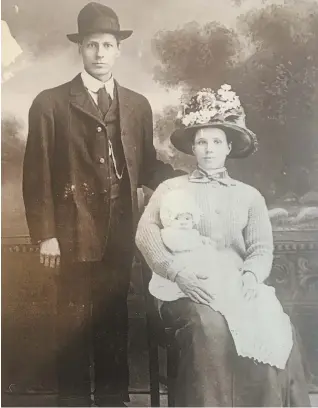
{"x":79,"y":45}
{"x":119,"y":48}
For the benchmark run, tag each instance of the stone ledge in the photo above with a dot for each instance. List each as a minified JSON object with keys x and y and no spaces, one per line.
{"x":285,"y":241}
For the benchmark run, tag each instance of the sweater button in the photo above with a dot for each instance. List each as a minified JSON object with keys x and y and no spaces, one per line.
{"x":102,"y":160}
{"x":99,"y":129}
{"x":218,"y":211}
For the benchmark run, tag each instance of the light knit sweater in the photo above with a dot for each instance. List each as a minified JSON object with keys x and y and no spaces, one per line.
{"x":234,"y":215}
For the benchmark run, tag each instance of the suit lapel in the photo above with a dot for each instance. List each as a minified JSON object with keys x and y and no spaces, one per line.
{"x":126,"y":109}
{"x":81,"y":99}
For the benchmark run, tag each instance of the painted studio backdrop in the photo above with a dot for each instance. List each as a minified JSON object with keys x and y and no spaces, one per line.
{"x":267,"y":50}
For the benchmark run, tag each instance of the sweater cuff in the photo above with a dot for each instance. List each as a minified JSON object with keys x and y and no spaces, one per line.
{"x":261,"y":271}
{"x":174,"y":269}
{"x":254,"y":274}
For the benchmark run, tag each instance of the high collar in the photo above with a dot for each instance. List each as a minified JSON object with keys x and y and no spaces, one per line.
{"x":221,"y":176}
{"x":220,"y":172}
{"x":93,"y":84}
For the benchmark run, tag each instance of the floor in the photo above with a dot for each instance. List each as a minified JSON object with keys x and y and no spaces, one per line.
{"x":136,"y":400}
{"x":139,"y":400}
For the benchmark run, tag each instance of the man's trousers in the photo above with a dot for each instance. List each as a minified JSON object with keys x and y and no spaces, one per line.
{"x":92,"y":322}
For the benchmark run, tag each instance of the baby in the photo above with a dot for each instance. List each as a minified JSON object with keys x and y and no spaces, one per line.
{"x":180,"y":217}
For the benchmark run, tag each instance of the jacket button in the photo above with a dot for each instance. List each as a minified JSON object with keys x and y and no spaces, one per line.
{"x":99,"y":129}
{"x":102,"y":160}
{"x":218,"y":211}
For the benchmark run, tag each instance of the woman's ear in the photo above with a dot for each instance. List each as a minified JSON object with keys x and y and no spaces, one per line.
{"x":230,"y":147}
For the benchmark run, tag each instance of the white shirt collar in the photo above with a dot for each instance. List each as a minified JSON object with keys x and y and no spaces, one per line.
{"x":93,"y":84}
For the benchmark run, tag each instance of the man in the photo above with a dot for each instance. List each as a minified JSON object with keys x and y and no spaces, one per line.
{"x":89,"y":147}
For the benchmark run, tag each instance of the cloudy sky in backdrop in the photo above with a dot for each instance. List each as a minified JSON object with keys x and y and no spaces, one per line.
{"x":40,"y":26}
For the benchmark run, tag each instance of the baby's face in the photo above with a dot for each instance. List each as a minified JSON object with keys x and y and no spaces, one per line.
{"x":183,"y":221}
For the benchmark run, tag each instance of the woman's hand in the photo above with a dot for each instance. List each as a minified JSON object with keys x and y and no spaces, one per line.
{"x":191,"y":285}
{"x":249,"y":285}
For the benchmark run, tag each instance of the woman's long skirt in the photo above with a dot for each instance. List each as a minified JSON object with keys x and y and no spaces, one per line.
{"x":211,"y":374}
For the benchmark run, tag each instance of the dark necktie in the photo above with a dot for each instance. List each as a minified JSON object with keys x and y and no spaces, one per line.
{"x":103,"y":100}
{"x":116,"y":152}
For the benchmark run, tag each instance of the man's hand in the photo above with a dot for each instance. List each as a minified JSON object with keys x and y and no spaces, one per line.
{"x":249,"y":285}
{"x":191,"y":285}
{"x":50,"y":254}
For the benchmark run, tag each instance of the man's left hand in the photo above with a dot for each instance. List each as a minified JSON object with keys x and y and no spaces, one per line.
{"x":249,"y":285}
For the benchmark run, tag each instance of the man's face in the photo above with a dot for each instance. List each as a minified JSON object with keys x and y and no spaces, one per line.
{"x":211,"y":148}
{"x":99,"y":52}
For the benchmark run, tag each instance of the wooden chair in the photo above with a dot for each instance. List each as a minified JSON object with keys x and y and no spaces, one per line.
{"x":158,"y":336}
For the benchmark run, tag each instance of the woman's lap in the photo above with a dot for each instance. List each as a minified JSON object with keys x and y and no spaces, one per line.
{"x":211,"y":373}
{"x":205,"y":377}
{"x":184,"y":311}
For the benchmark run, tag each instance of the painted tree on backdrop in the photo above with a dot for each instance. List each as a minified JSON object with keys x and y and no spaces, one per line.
{"x":271,"y":61}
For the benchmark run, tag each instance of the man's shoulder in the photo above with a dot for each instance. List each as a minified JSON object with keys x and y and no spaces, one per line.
{"x":54,"y":94}
{"x":134,"y":97}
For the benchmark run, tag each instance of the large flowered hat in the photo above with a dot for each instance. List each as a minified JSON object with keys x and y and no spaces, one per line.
{"x":221,"y":109}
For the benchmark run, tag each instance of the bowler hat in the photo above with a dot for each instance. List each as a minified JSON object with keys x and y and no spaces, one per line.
{"x":222,"y":110}
{"x":95,"y":18}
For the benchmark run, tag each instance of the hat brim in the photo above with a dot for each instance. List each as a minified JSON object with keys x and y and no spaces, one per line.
{"x":243,"y":140}
{"x":121,"y":35}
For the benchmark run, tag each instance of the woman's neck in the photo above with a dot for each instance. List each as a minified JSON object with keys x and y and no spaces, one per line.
{"x":210,"y":172}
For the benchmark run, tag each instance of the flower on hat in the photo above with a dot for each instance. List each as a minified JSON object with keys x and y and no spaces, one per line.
{"x":207,"y":106}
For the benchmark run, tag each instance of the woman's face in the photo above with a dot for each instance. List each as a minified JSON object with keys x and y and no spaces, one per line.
{"x":211,"y":148}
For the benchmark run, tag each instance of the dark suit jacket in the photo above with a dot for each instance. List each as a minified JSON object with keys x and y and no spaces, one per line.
{"x":58,"y":163}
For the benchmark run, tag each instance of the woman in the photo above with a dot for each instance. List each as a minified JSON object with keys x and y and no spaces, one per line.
{"x":210,"y":372}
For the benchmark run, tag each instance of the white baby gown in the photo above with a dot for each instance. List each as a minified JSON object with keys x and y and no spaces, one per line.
{"x":259,"y":327}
